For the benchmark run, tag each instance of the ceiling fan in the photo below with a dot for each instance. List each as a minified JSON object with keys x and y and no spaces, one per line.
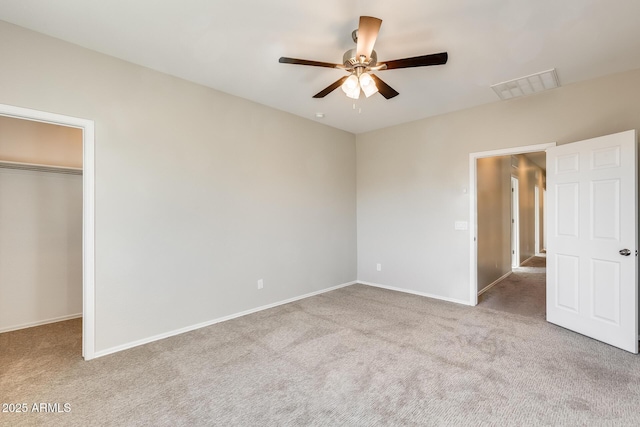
{"x":362,"y":60}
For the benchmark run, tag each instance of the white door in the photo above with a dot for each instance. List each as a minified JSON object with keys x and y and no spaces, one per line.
{"x":592,"y":239}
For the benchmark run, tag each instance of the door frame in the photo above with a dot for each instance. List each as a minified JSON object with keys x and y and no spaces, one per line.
{"x":544,"y":218}
{"x":88,"y":211}
{"x":515,"y":222}
{"x":536,"y":220}
{"x":473,"y":206}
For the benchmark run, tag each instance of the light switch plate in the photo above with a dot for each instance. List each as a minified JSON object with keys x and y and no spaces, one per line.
{"x":461,"y":225}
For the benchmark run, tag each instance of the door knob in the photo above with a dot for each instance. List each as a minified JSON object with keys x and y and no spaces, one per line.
{"x":625,"y":252}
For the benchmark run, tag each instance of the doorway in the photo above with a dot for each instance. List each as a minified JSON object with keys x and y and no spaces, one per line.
{"x":88,"y":215}
{"x":528,"y":244}
{"x":40,"y":223}
{"x":511,"y":274}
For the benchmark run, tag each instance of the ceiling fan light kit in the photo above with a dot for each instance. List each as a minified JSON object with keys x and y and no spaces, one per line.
{"x":353,"y":85}
{"x":367,"y":84}
{"x":361,"y":61}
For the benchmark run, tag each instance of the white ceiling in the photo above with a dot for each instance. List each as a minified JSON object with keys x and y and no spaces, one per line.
{"x":234,"y":46}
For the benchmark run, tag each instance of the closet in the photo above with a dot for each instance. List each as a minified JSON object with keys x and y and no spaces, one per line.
{"x":40,"y":223}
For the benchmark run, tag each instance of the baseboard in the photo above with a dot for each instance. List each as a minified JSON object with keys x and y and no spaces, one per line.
{"x":407,"y":291}
{"x":527,"y":260}
{"x":213,"y":322}
{"x":495,"y":282}
{"x":40,"y":323}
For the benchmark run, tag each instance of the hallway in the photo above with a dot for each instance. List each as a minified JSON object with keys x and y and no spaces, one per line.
{"x":523,"y":292}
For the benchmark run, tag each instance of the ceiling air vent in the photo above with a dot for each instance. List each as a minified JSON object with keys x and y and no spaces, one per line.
{"x":515,"y":162}
{"x":527,"y":85}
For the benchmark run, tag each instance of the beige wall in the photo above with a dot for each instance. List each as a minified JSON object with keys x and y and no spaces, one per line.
{"x":40,"y":247}
{"x":413,"y":178}
{"x":198,"y":194}
{"x":529,"y":175}
{"x":27,"y":141}
{"x":494,"y":218}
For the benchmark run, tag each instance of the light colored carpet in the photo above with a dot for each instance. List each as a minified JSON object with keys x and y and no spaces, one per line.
{"x":522,"y":292}
{"x":358,"y":356}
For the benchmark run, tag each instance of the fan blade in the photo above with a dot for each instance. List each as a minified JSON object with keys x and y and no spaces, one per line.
{"x":333,"y":86}
{"x":384,"y":89}
{"x":285,"y":60}
{"x":418,"y":61}
{"x":367,"y":35}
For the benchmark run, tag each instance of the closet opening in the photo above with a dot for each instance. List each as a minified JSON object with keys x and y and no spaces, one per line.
{"x":47,"y":223}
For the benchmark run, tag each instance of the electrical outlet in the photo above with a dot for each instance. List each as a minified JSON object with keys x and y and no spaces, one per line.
{"x":379,"y":267}
{"x":260,"y":284}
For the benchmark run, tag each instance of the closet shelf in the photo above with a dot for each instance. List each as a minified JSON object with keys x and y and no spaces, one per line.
{"x":40,"y":168}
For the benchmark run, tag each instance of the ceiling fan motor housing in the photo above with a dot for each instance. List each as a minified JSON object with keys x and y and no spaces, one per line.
{"x":350,"y":59}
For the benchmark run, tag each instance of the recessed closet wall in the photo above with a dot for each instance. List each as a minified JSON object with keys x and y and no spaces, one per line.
{"x":40,"y":223}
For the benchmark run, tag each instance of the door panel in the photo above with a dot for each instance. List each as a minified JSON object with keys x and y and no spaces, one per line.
{"x":591,"y":287}
{"x":605,"y":291}
{"x":605,"y":158}
{"x":568,"y":279}
{"x":567,"y":209}
{"x":605,"y":210}
{"x":567,"y":163}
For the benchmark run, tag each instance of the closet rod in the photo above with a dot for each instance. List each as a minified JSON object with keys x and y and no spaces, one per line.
{"x":40,"y":168}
